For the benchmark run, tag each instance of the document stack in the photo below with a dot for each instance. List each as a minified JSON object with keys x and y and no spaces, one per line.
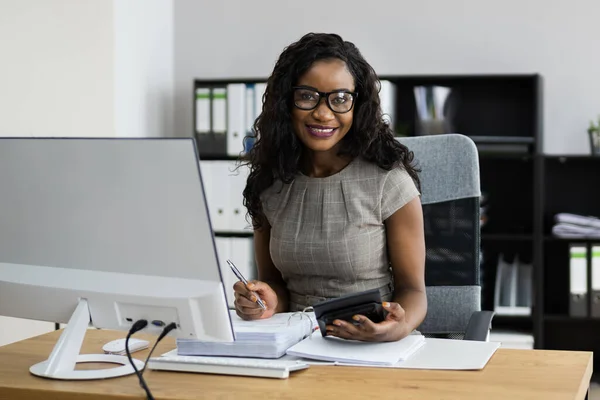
{"x":576,"y":226}
{"x":268,"y":338}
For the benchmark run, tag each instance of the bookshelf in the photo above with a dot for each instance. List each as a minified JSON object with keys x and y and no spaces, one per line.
{"x":502,"y":114}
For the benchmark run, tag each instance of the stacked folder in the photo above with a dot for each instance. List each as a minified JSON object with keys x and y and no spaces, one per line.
{"x":576,"y":226}
{"x":269,"y":338}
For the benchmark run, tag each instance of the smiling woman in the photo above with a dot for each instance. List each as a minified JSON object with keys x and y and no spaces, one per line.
{"x":333,"y":197}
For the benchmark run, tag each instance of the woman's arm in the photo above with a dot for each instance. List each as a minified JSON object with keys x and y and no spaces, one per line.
{"x":267,"y":272}
{"x":406,"y":249}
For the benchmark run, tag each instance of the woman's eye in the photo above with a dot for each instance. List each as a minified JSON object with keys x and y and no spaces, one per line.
{"x":307,"y":96}
{"x":339,"y":100}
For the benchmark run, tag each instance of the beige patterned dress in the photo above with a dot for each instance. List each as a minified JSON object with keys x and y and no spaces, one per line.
{"x":328,"y":234}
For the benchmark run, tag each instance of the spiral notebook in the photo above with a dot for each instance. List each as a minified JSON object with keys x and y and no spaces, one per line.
{"x":268,"y":338}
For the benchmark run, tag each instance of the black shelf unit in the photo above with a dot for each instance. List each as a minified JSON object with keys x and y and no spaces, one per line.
{"x":502,"y":114}
{"x":568,"y":185}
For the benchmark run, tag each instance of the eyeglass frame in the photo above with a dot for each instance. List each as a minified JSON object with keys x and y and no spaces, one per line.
{"x":325,"y":95}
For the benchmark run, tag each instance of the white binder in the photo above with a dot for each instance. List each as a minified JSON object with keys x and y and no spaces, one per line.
{"x":387,"y":97}
{"x":578,"y":280}
{"x":217,"y":187}
{"x":250,"y":117}
{"x":595,"y":281}
{"x":236,"y":118}
{"x":202,"y":110}
{"x":237,"y":210}
{"x":224,"y":186}
{"x":219,"y":110}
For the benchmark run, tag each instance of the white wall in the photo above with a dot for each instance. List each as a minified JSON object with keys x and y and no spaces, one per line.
{"x":56,"y":76}
{"x":143,"y":62}
{"x":556,"y":38}
{"x":86,"y":68}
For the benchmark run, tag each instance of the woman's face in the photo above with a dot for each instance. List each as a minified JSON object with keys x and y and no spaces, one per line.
{"x":321,"y":129}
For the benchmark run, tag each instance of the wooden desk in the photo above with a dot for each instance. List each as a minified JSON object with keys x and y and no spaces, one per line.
{"x":510,"y":374}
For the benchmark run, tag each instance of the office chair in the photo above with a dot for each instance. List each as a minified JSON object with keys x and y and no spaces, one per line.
{"x":450,"y":194}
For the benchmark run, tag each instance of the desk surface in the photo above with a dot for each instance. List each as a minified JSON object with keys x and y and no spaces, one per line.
{"x":510,"y":374}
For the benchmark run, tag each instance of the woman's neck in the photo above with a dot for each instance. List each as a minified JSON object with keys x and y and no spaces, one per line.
{"x":321,"y":165}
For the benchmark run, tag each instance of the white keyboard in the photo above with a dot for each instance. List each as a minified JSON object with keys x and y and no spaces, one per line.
{"x":266,"y":368}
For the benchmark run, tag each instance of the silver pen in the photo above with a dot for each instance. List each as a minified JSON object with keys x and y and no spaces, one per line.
{"x":245,"y":282}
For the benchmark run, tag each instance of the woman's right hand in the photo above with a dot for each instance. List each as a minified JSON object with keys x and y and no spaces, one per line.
{"x":246,"y":305}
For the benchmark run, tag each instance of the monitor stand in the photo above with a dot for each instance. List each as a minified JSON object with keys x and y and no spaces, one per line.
{"x":65,"y":355}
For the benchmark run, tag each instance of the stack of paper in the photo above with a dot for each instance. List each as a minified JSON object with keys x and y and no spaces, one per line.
{"x":576,"y":226}
{"x":268,"y":338}
{"x":338,"y":350}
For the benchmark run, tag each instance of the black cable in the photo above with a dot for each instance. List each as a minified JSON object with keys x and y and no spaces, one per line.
{"x":164,"y":333}
{"x":138,"y":326}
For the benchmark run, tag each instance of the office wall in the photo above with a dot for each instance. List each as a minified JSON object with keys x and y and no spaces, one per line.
{"x":556,"y":38}
{"x":143,"y":68}
{"x":56,"y":75}
{"x":86,"y":68}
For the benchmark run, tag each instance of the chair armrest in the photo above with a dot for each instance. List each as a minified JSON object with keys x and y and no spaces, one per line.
{"x":479,"y":326}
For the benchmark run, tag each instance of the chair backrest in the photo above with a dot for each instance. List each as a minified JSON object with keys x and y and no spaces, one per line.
{"x":450,"y":191}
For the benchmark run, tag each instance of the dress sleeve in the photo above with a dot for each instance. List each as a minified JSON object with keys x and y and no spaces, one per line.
{"x":398,"y":189}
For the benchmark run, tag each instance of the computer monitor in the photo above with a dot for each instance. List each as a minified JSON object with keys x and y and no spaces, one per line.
{"x":105,"y":232}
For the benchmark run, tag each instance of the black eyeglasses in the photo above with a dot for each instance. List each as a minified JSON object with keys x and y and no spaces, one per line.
{"x":339,"y":101}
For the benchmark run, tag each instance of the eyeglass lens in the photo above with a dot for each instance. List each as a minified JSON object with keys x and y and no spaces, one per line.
{"x":307,"y":99}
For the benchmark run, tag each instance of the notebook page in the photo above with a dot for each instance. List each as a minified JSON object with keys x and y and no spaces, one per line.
{"x":447,"y":354}
{"x":356,"y":352}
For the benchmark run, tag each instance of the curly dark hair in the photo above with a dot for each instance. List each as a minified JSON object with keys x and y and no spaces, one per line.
{"x":277,"y":150}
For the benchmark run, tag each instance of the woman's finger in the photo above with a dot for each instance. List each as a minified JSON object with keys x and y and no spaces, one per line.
{"x":345,"y":329}
{"x":365,"y":325}
{"x":395,"y":311}
{"x":245,"y":302}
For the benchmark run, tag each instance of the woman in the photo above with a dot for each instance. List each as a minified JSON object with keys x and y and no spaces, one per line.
{"x":332,"y":195}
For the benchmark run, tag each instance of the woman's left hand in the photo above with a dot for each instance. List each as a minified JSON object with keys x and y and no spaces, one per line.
{"x":393,"y":328}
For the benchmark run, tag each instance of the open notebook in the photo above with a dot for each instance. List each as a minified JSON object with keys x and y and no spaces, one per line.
{"x":268,"y":338}
{"x":344,"y":351}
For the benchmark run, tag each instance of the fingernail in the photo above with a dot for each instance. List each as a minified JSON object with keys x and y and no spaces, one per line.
{"x":250,"y":285}
{"x":337,"y":323}
{"x":386,"y":304}
{"x":356,"y":318}
{"x":253,"y":298}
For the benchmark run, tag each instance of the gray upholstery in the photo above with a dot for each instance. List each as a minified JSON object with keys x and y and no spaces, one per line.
{"x":450,"y":308}
{"x":449,"y":166}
